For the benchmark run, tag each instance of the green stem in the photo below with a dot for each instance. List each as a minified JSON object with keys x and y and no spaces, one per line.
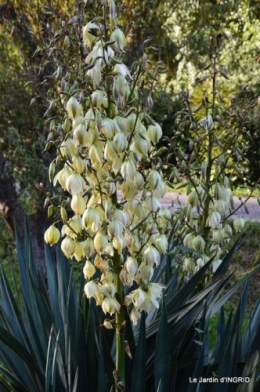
{"x":205,"y":230}
{"x":120,"y":323}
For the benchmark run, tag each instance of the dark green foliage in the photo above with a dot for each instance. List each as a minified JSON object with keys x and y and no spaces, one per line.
{"x":52,"y":340}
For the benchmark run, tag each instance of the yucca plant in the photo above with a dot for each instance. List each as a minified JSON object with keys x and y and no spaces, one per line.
{"x":53,"y":340}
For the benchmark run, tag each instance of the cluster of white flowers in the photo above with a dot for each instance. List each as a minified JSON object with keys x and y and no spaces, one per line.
{"x":103,"y":148}
{"x":219,"y":230}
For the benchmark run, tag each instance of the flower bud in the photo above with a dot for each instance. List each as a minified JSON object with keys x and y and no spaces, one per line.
{"x":64,"y":215}
{"x":88,"y":269}
{"x":52,"y":235}
{"x":73,"y":108}
{"x":100,"y":242}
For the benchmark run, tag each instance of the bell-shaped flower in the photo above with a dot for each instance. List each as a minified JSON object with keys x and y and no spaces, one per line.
{"x":77,"y":121}
{"x":160,"y":190}
{"x":110,"y":153}
{"x":149,"y":303}
{"x":146,"y":272}
{"x":153,"y":179}
{"x":98,"y":99}
{"x":90,"y":289}
{"x":80,"y":134}
{"x":198,"y":243}
{"x":62,"y":176}
{"x":89,"y":269}
{"x":95,"y":74}
{"x":218,"y":236}
{"x":72,"y":228}
{"x":188,"y":240}
{"x":189,"y":265}
{"x":75,"y":184}
{"x":110,"y":305}
{"x":120,"y":142}
{"x":73,"y":107}
{"x":108,"y":289}
{"x":115,"y":228}
{"x":154,"y":133}
{"x":214,"y":219}
{"x":68,"y":148}
{"x":96,"y":152}
{"x":90,"y":32}
{"x":100,"y":242}
{"x":88,"y":247}
{"x":239,"y":224}
{"x":78,"y":254}
{"x":151,"y":256}
{"x":52,"y":235}
{"x":135,"y":316}
{"x":152,"y":203}
{"x":131,"y":265}
{"x":78,"y":164}
{"x":119,"y":244}
{"x":91,"y":219}
{"x":138,"y":297}
{"x":155,"y":290}
{"x":119,"y":37}
{"x":161,"y":243}
{"x":192,"y":198}
{"x":128,"y":169}
{"x":126,"y":278}
{"x":78,"y":203}
{"x":68,"y":247}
